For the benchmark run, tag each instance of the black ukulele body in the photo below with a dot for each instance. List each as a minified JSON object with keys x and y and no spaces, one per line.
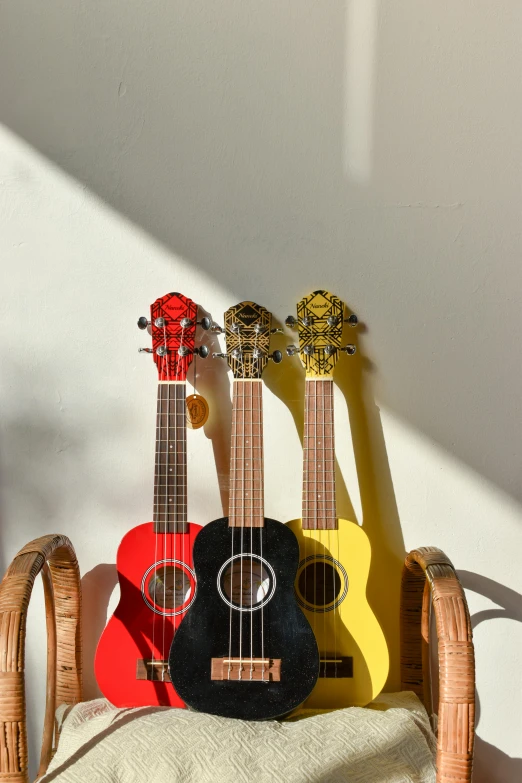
{"x":245,"y":612}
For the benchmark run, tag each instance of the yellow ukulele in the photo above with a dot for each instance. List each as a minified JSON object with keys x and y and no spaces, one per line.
{"x":334,"y":553}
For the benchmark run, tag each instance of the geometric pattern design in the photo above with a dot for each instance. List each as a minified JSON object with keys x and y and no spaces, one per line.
{"x":315,"y":333}
{"x":101,"y":744}
{"x":170,"y":337}
{"x":247,"y":332}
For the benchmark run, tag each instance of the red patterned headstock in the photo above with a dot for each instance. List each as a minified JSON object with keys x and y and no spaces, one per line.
{"x":173,"y":326}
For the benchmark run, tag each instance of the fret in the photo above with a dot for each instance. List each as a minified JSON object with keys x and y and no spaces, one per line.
{"x":319,"y":496}
{"x":171,"y":526}
{"x":171,"y":511}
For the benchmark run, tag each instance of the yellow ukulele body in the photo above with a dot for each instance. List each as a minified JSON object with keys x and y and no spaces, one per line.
{"x":338,"y":562}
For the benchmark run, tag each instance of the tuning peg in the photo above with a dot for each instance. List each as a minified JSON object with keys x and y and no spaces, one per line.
{"x":145,"y":350}
{"x":290,"y":321}
{"x":202,"y":351}
{"x":182,"y":350}
{"x":332,"y":320}
{"x":352,"y":320}
{"x":276,"y":357}
{"x":143,"y":322}
{"x":308,"y":350}
{"x":160,"y":322}
{"x":219,"y":356}
{"x":329,"y":349}
{"x":162,"y":350}
{"x":349,"y":349}
{"x":277,"y":330}
{"x":291,"y":350}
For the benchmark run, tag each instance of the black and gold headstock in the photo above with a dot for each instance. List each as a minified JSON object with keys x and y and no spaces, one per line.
{"x":247,"y":333}
{"x":320,"y":321}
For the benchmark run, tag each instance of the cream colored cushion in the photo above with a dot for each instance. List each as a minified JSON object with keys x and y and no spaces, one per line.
{"x":389,"y":743}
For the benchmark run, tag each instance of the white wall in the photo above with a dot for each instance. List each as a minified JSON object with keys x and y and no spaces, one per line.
{"x":260,"y":150}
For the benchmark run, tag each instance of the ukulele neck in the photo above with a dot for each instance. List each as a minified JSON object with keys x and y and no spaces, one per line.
{"x":246,"y":508}
{"x":319,"y":506}
{"x":170,"y":475}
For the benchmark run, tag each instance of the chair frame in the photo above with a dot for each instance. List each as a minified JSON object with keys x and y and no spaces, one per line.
{"x":428,"y":579}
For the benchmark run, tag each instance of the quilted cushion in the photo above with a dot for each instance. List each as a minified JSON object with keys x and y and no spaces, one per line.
{"x":390,"y":742}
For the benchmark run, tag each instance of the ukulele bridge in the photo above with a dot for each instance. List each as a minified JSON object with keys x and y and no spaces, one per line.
{"x":154,"y":670}
{"x":246,"y":669}
{"x":335,"y":667}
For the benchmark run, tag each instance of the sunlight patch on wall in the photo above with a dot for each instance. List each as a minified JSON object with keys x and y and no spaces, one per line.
{"x":361,"y":37}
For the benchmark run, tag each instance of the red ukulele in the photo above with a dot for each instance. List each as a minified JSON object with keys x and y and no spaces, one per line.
{"x":154,"y":561}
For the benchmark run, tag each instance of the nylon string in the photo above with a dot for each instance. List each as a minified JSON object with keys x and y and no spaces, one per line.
{"x":167,"y":488}
{"x":159,"y":411}
{"x":245,"y":442}
{"x":251,"y":527}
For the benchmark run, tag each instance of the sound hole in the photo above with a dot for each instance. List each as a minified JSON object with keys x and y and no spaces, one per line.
{"x":169,"y":587}
{"x":319,"y":583}
{"x":246,"y":583}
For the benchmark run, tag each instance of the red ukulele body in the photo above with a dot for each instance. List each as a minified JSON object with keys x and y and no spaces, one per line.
{"x":154,"y":562}
{"x":157,"y":586}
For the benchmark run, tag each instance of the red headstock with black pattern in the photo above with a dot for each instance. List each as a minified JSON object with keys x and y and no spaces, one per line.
{"x":173,"y":327}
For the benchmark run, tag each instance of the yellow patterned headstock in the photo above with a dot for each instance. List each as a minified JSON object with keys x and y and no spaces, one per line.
{"x":247,"y":332}
{"x":320,"y":320}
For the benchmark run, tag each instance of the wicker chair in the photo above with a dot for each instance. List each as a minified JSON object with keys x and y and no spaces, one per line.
{"x":429,"y":580}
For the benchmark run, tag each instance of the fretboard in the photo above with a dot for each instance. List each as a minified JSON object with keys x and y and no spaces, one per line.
{"x":246,"y":507}
{"x":319,"y":508}
{"x":170,"y":476}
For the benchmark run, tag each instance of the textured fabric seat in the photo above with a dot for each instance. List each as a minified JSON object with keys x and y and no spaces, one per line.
{"x":390,"y":743}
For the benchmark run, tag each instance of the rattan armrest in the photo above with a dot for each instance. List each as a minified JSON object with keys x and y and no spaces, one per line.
{"x":53,"y":556}
{"x":429,"y":576}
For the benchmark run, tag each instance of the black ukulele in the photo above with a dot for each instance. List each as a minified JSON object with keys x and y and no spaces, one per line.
{"x":245,"y":648}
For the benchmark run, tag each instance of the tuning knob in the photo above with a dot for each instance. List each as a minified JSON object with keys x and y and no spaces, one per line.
{"x":205,"y":323}
{"x":352,"y":320}
{"x":219,"y":356}
{"x":291,"y":350}
{"x":143,"y":322}
{"x":202,"y":351}
{"x":349,"y":349}
{"x":276,"y":357}
{"x":290,"y":321}
{"x":145,"y":350}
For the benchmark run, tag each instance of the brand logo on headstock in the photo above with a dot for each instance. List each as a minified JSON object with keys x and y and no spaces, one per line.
{"x":318,"y":303}
{"x":246,"y":315}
